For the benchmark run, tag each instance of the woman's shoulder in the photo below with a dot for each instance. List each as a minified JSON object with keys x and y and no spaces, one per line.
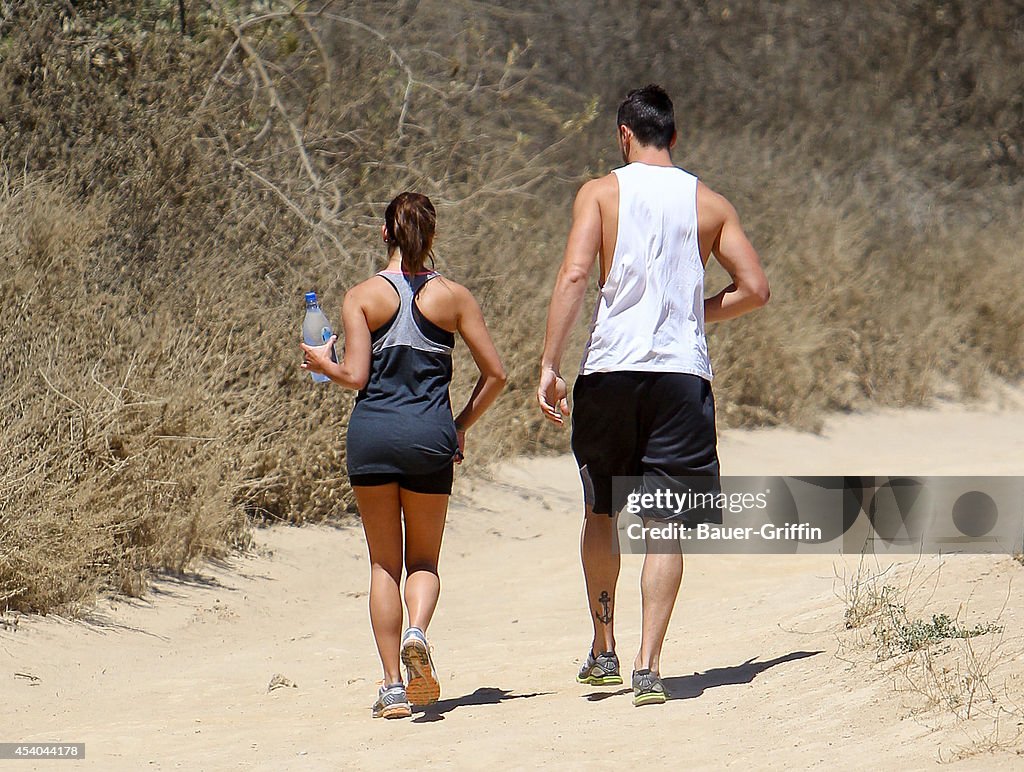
{"x":445,"y":285}
{"x":369,"y":287}
{"x":443,"y":280}
{"x":371,"y":294}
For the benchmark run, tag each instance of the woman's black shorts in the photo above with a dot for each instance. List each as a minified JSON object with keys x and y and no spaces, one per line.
{"x":435,"y":482}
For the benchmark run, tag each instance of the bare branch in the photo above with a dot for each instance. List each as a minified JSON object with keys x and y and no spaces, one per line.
{"x":296,"y":209}
{"x":220,"y":71}
{"x":275,"y":100}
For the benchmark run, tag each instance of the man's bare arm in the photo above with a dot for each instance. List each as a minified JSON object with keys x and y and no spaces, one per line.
{"x":581,"y":250}
{"x":749,"y":289}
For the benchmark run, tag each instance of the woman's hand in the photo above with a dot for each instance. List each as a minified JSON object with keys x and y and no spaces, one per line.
{"x":318,"y":359}
{"x":460,"y":454}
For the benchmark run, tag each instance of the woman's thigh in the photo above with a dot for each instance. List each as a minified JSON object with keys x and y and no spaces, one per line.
{"x":380,"y":510}
{"x":424,"y":527}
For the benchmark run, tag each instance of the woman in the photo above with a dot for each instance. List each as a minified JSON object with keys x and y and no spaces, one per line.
{"x":402,"y":439}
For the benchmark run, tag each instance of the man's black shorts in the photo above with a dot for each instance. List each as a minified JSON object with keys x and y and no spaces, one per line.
{"x":649,"y":424}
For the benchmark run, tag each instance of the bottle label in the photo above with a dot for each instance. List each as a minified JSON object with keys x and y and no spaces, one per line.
{"x":325,"y":335}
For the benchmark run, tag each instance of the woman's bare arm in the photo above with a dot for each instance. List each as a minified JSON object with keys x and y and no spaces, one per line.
{"x":354,"y":369}
{"x":492,"y":378}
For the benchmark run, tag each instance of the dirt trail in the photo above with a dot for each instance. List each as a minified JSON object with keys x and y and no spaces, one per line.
{"x":756,"y":658}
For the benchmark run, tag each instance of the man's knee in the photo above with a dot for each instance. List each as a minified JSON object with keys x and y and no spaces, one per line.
{"x":663,"y":564}
{"x":599,"y":518}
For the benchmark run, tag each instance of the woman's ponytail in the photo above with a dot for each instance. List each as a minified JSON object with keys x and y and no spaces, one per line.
{"x":410,"y":220}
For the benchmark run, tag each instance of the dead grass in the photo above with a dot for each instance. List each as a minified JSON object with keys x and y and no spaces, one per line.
{"x":165,"y":199}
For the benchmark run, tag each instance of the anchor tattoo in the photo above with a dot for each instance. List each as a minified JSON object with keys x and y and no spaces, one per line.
{"x":605,"y":602}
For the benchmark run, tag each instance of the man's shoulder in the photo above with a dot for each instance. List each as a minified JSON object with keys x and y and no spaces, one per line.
{"x":712,"y":204}
{"x":599,"y":188}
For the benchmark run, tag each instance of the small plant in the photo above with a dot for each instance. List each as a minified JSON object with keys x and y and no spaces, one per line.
{"x":897,"y":634}
{"x":862,"y":594}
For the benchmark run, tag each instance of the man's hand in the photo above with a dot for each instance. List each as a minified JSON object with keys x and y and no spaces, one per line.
{"x":551,"y":394}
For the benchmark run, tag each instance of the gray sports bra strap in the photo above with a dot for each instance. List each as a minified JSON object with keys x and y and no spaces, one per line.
{"x":407,"y":286}
{"x":405,"y":331}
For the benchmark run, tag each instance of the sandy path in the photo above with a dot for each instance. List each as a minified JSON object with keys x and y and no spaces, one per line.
{"x":755,"y":656}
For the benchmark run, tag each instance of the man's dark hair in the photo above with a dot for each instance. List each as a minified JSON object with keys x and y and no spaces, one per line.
{"x":647,"y":112}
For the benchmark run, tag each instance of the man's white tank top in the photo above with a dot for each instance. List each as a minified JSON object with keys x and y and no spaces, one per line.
{"x":650,"y":311}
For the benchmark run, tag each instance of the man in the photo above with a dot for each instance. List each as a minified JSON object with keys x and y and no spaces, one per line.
{"x":642,"y":404}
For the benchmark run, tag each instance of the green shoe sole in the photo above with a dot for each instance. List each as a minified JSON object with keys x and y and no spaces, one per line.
{"x":651,"y":698}
{"x":600,"y":680}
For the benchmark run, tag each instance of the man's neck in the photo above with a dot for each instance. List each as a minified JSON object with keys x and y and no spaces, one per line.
{"x":651,"y":156}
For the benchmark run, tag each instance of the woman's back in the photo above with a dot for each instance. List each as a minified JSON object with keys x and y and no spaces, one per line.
{"x":402,"y":420}
{"x":411,"y":356}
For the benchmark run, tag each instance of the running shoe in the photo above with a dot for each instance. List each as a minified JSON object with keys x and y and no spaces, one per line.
{"x":602,"y":670}
{"x":423,"y":687}
{"x":647,"y":688}
{"x":392,"y":702}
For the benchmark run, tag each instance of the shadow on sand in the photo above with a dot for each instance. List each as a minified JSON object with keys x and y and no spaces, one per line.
{"x":162,"y":584}
{"x":486,"y":695}
{"x":692,"y":686}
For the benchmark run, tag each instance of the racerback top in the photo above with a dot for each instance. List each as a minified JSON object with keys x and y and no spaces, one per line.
{"x":402,"y":419}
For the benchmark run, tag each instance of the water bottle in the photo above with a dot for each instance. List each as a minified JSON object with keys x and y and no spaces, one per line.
{"x":316,"y":330}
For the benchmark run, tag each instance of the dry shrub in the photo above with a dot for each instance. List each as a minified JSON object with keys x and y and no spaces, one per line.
{"x":168,"y":196}
{"x":158,"y":236}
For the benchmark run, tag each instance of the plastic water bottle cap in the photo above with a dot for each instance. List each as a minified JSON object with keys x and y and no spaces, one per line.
{"x":310,"y":298}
